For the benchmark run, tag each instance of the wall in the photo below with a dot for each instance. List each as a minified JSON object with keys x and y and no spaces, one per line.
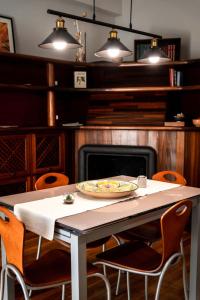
{"x":169,"y":18}
{"x":166,"y":17}
{"x":32,"y":25}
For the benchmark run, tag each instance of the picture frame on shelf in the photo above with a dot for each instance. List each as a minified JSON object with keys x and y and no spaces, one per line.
{"x":7,"y":43}
{"x":80,"y":79}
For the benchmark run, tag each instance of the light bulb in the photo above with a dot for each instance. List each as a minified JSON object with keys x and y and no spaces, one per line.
{"x":59,"y":45}
{"x":154,"y":59}
{"x":113,"y":52}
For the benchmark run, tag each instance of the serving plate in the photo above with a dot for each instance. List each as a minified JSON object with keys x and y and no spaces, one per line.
{"x":106,"y":188}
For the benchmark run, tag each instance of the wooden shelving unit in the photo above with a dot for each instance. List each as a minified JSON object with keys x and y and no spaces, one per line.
{"x":121,"y":99}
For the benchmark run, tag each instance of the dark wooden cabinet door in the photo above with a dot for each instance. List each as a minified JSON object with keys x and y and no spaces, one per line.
{"x":14,"y":150}
{"x":14,"y":164}
{"x":48,"y":153}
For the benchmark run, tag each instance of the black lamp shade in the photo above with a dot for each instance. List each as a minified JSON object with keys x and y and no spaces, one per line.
{"x":154,"y":54}
{"x":60,"y":35}
{"x":113,"y":44}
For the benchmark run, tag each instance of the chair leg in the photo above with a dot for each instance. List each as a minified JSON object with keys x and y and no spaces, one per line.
{"x":19,"y":278}
{"x":63,"y":292}
{"x":39,"y":247}
{"x":37,"y":255}
{"x":104,"y":266}
{"x":128,"y":285}
{"x":107,"y":284}
{"x":185,"y":280}
{"x":167,"y":265}
{"x":118,"y":282}
{"x":2,"y":283}
{"x":146,"y":286}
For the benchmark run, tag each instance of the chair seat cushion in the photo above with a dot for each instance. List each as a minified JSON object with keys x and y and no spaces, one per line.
{"x":136,"y":256}
{"x":149,"y":232}
{"x":51,"y":268}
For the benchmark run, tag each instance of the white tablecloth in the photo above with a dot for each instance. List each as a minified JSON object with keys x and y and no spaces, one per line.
{"x":40,"y":216}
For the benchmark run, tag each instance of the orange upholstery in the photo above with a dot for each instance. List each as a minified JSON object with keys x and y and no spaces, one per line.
{"x":50,"y":180}
{"x":12,"y":233}
{"x":142,"y":258}
{"x":170,"y":176}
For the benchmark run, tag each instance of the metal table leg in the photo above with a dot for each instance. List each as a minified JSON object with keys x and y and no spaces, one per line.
{"x":79,"y":268}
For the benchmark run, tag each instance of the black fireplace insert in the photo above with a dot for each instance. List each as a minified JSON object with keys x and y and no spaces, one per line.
{"x":100,"y":161}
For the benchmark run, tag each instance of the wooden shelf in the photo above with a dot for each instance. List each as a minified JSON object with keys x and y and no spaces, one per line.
{"x":23,"y":87}
{"x":129,"y":89}
{"x":99,"y":90}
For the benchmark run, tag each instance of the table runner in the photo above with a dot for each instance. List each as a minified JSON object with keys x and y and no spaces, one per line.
{"x":40,"y":216}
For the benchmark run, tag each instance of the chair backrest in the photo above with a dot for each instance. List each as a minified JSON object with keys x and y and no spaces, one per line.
{"x":12,"y":232}
{"x":50,"y":180}
{"x":170,"y":176}
{"x":172,"y":223}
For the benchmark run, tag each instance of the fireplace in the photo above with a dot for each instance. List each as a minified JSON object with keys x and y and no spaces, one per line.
{"x":100,"y":161}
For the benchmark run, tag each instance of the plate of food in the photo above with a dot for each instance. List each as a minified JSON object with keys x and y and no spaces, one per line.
{"x":106,"y":188}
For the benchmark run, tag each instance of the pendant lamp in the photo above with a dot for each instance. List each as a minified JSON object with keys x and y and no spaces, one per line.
{"x":154,"y":54}
{"x":60,"y":38}
{"x":113,"y":48}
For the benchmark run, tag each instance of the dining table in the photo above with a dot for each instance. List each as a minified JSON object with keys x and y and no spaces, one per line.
{"x":82,"y":228}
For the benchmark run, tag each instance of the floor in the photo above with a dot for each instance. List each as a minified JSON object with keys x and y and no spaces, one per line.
{"x":172,"y":288}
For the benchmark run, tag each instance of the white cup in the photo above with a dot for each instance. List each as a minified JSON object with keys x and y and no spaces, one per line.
{"x":142,"y":181}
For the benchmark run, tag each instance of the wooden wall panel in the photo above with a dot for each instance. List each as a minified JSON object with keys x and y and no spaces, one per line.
{"x":192,"y":158}
{"x":169,"y":145}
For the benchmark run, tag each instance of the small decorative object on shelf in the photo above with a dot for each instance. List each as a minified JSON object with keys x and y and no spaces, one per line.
{"x":179,"y":117}
{"x":196,"y":122}
{"x":179,"y":120}
{"x":171,"y":47}
{"x":6,"y":35}
{"x":81,"y":38}
{"x":80,"y":79}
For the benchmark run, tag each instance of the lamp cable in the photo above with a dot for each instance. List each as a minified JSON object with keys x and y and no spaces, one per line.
{"x":131,"y":13}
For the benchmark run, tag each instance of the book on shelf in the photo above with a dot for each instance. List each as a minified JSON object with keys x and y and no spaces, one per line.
{"x":175,"y":77}
{"x":175,"y":124}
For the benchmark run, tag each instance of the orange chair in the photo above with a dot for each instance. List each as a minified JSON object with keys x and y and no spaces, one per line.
{"x":170,"y":176}
{"x":50,"y":270}
{"x":46,"y":181}
{"x":139,"y":258}
{"x":150,"y":232}
{"x":50,"y":180}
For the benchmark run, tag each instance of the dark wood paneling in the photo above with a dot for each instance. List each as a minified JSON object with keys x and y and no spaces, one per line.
{"x":170,"y":155}
{"x":192,"y":158}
